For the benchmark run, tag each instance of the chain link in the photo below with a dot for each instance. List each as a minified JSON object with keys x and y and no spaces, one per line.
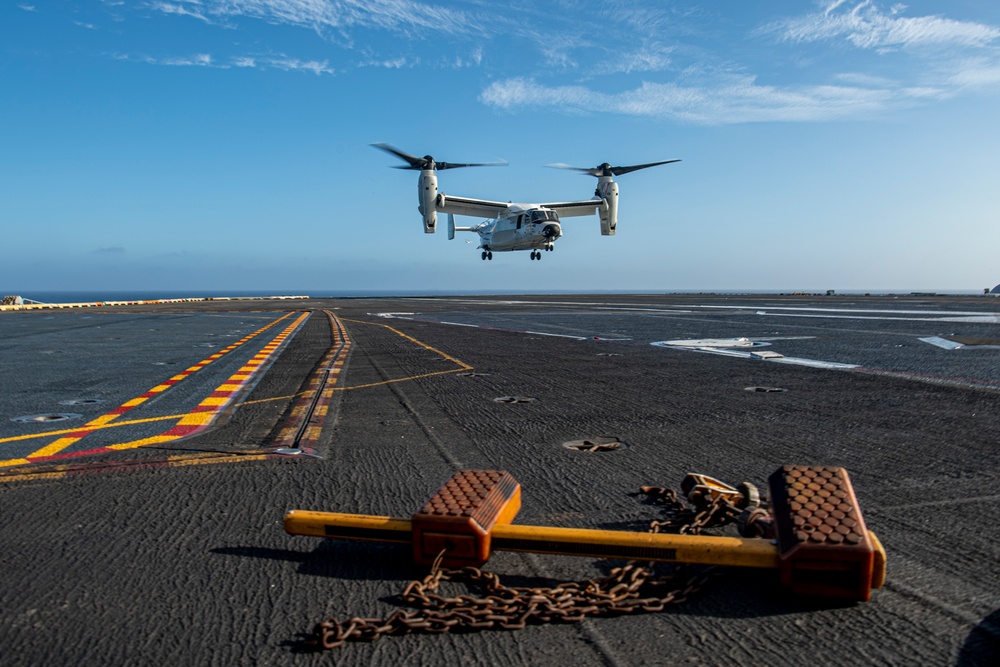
{"x":626,"y":590}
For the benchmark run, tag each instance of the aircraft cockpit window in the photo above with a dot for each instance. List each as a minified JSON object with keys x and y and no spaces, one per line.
{"x":542,"y":216}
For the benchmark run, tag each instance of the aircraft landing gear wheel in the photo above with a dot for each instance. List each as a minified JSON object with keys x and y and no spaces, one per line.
{"x":484,"y":255}
{"x":489,"y":256}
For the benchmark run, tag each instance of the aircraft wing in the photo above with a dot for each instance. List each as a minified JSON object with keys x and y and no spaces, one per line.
{"x":480,"y":208}
{"x":568,"y":209}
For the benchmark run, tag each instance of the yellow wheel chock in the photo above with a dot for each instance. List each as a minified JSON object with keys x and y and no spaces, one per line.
{"x":822,"y":546}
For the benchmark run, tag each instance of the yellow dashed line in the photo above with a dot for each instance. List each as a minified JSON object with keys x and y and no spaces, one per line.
{"x":215,"y":401}
{"x":61,"y":444}
{"x":206,"y":418}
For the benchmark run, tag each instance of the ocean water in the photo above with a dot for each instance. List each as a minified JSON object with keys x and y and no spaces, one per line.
{"x":93,"y":296}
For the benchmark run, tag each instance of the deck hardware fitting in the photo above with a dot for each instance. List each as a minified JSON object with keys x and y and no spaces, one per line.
{"x":514,"y":399}
{"x":46,"y":418}
{"x":597,"y":444}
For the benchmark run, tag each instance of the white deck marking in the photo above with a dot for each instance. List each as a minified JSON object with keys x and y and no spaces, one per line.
{"x":542,"y":333}
{"x":724,"y":348}
{"x":942,"y":342}
{"x":727,"y":343}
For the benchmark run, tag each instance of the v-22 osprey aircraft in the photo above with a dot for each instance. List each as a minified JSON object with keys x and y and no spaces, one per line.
{"x":534,"y":227}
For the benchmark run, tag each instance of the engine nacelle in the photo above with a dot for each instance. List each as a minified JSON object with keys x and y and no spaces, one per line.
{"x":427,"y":192}
{"x":608,"y":190}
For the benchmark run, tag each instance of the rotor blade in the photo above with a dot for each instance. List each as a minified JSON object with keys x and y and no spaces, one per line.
{"x":456,"y":165}
{"x":618,"y":171}
{"x":562,"y":165}
{"x":428,"y":162}
{"x":414,"y":162}
{"x":607,"y":170}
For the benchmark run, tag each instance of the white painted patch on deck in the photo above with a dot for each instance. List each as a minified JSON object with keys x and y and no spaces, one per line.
{"x":942,"y":342}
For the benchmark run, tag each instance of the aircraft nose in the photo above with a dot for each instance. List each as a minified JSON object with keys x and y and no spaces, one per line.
{"x":552,"y":230}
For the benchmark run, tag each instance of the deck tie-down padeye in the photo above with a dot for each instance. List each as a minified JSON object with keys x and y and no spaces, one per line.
{"x":821,"y":545}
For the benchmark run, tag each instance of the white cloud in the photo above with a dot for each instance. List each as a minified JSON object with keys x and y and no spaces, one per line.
{"x":197,"y":60}
{"x":737,"y":100}
{"x":28,"y":8}
{"x":325,"y":15}
{"x":976,"y":73}
{"x":180,"y":8}
{"x":867,"y":26}
{"x":390,"y":63}
{"x":653,"y":59}
{"x":287,"y":64}
{"x":278,"y":61}
{"x":474,"y":59}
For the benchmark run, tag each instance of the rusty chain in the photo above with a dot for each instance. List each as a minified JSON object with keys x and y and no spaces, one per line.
{"x":626,"y":590}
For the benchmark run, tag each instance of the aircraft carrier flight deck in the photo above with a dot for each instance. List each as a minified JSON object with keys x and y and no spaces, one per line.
{"x":149,"y":453}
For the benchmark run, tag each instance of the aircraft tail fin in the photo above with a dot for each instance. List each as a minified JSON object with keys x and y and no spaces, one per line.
{"x":452,"y":228}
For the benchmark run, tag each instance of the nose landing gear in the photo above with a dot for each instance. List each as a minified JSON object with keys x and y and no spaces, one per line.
{"x":487,"y":255}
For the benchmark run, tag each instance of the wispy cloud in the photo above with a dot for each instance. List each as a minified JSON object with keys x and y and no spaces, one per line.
{"x":866,"y":25}
{"x":706,"y":89}
{"x":474,"y":59}
{"x":389,"y":63}
{"x":287,"y":64}
{"x":327,"y":15}
{"x":655,"y":58}
{"x":278,"y":61}
{"x":28,"y":8}
{"x":738,"y":100}
{"x":197,"y":60}
{"x":190,"y":8}
{"x":689,"y":75}
{"x":976,"y":73}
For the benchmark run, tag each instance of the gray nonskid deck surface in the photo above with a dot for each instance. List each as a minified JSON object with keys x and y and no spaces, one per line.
{"x":190,"y":565}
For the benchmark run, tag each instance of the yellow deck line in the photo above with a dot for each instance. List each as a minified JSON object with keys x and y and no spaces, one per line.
{"x":462,"y":366}
{"x":450,"y":358}
{"x":193,"y":459}
{"x":406,"y":379}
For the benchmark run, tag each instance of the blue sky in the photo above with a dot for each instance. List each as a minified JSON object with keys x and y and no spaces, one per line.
{"x":225,"y":144}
